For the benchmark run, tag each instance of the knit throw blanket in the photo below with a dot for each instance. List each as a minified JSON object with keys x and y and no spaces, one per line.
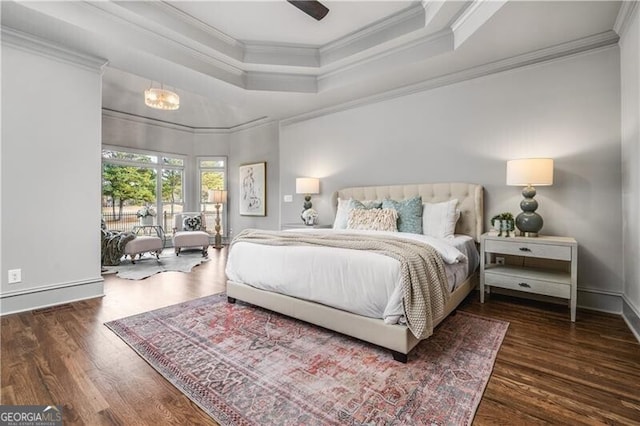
{"x":423,"y":279}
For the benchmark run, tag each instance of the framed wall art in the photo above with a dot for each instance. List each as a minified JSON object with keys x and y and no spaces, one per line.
{"x":253,"y":189}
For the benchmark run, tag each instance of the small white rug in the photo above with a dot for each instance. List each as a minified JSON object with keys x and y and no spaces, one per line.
{"x":149,"y":265}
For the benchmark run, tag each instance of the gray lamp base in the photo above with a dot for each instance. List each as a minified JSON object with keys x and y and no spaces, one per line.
{"x":528,"y":222}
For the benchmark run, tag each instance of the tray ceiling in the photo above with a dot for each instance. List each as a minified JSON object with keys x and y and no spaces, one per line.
{"x":241,"y":63}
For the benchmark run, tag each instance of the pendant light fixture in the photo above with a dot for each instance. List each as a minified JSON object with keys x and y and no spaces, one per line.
{"x":160,"y":98}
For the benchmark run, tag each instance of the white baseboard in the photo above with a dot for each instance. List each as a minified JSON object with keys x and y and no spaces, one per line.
{"x":631,"y":316}
{"x":600,"y":300}
{"x":50,"y":296}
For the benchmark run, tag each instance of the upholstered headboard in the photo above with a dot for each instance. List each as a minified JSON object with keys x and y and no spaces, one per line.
{"x":470,"y":200}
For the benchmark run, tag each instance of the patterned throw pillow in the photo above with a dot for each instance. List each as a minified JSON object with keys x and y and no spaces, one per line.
{"x":409,"y":213}
{"x":373,"y":219}
{"x":345,"y":206}
{"x":191,"y":223}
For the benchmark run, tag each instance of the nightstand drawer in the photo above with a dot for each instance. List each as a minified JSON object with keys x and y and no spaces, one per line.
{"x":529,"y":249}
{"x":514,"y":282}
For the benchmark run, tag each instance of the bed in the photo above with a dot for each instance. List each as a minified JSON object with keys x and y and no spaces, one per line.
{"x":377,"y":330}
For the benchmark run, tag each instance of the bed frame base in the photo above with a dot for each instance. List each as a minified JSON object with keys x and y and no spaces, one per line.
{"x":400,"y":357}
{"x":394,"y":337}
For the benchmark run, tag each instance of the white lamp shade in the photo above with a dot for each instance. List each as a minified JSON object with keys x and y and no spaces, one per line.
{"x":217,"y":196}
{"x":530,"y":171}
{"x":307,"y":186}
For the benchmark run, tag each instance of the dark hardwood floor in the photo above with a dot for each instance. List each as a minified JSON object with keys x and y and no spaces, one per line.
{"x":548,"y":370}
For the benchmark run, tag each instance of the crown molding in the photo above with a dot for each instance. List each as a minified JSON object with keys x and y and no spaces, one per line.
{"x":192,"y":21}
{"x":140,"y":119}
{"x":603,"y":40}
{"x":426,"y":46}
{"x":281,"y":82}
{"x":625,"y":15}
{"x":245,"y":126}
{"x":32,"y":44}
{"x":473,"y":17}
{"x":187,"y":29}
{"x":281,"y":54}
{"x":401,"y":23}
{"x":162,"y":43}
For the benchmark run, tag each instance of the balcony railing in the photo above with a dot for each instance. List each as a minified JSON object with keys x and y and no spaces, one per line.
{"x":126,"y":221}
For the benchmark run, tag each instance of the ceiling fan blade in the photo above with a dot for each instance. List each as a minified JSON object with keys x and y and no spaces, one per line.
{"x":313,"y":8}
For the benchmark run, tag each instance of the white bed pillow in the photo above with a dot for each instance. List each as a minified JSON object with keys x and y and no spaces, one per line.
{"x":439,"y":219}
{"x":342,"y":214}
{"x":373,"y":220}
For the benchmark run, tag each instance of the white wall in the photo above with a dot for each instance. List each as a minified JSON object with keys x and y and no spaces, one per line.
{"x":253,"y":145}
{"x":568,"y":109}
{"x":50,"y":178}
{"x":630,"y":89}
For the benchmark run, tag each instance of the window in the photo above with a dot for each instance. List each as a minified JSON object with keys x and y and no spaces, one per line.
{"x":213,"y":175}
{"x":132,"y":180}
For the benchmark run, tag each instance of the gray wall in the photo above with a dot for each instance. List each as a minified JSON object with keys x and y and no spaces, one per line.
{"x":254,"y":145}
{"x":630,"y":89}
{"x":50,"y":179}
{"x":568,"y":109}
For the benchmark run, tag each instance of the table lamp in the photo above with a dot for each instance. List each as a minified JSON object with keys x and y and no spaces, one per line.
{"x":528,"y":172}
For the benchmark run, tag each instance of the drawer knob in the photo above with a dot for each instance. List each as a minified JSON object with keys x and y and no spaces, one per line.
{"x":525,"y":249}
{"x":524,"y":285}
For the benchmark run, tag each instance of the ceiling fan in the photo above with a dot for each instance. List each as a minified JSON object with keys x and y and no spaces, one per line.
{"x":313,"y":8}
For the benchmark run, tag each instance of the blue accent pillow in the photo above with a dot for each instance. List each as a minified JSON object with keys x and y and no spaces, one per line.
{"x":367,"y":205}
{"x":409,"y":213}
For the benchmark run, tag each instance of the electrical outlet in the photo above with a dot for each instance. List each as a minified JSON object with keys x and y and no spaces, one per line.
{"x":499,"y":260}
{"x":288,"y":198}
{"x":15,"y":276}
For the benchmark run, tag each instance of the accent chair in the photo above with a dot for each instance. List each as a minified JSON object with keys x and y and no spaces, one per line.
{"x":189,"y":231}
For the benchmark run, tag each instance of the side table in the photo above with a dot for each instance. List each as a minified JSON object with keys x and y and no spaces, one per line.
{"x":528,"y":275}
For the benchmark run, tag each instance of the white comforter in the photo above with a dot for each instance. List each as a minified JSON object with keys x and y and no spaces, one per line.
{"x":360,"y":282}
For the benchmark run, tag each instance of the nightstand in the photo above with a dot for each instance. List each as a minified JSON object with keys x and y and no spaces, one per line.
{"x":544,"y":265}
{"x":303,"y":226}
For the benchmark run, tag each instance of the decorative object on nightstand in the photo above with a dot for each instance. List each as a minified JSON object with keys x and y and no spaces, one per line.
{"x":310,"y":217}
{"x":218,"y":197}
{"x":503,"y":223}
{"x":308,"y":186}
{"x":545,"y":265}
{"x":528,"y":172}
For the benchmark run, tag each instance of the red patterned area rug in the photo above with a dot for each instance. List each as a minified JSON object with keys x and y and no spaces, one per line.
{"x":247,"y":366}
